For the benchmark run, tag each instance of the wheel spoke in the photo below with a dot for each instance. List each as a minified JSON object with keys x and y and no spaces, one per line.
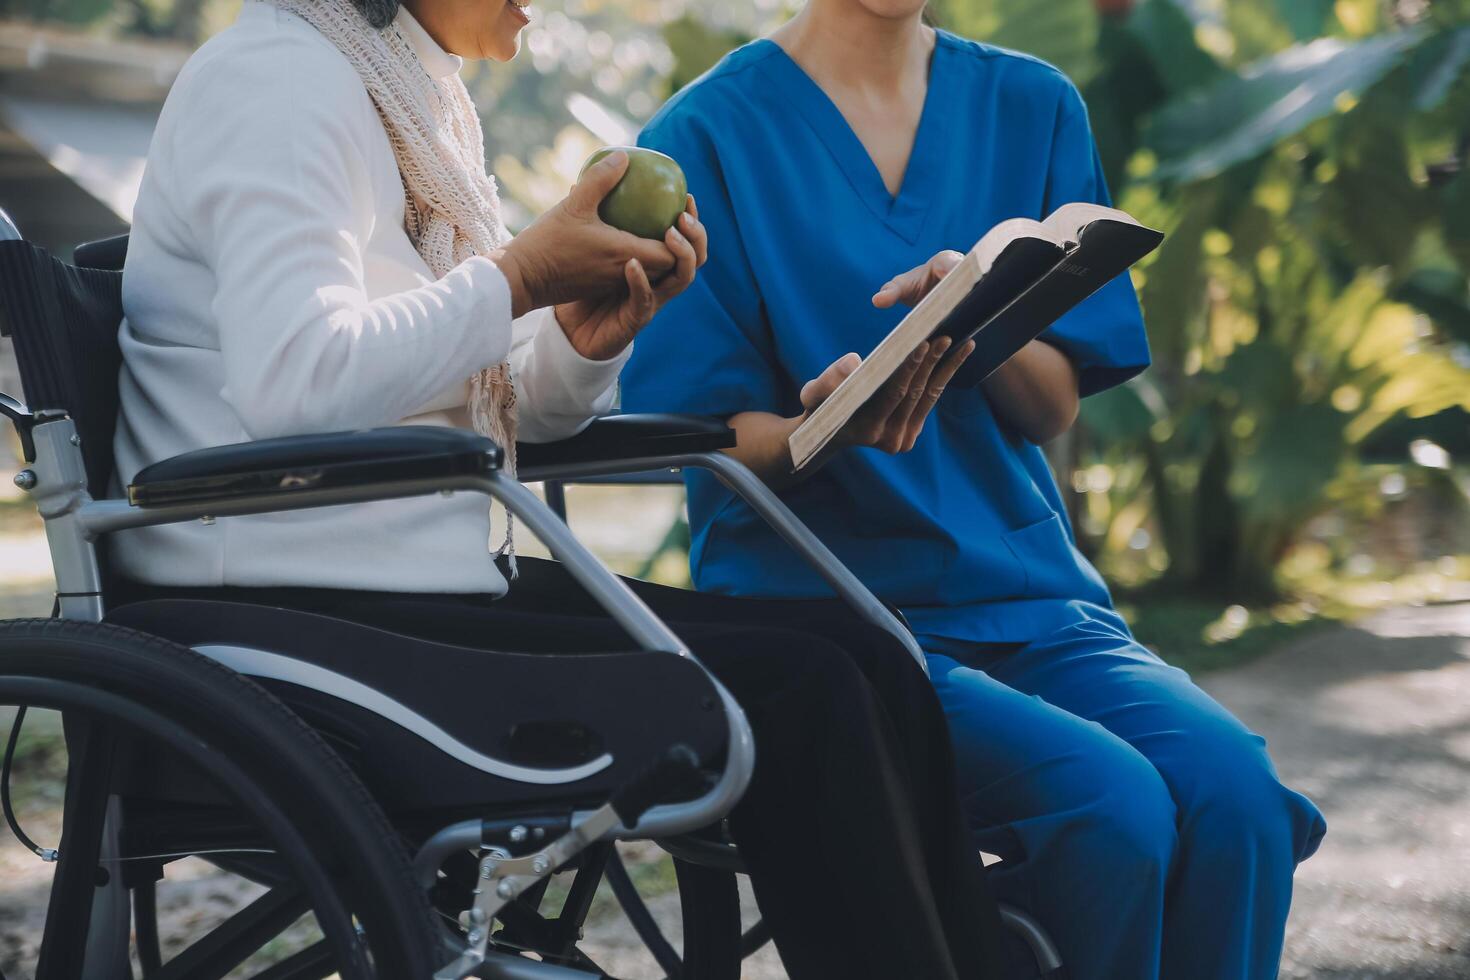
{"x":145,"y":927}
{"x":312,"y":963}
{"x":235,"y":939}
{"x":69,"y":913}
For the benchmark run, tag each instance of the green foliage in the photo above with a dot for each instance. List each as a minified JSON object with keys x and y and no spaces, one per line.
{"x":1199,"y":635}
{"x":1306,"y":18}
{"x":1243,"y":115}
{"x":1062,"y":32}
{"x":1308,"y":312}
{"x":179,"y":20}
{"x":65,"y":11}
{"x":697,"y":47}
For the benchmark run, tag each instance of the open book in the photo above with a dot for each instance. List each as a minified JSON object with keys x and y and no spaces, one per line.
{"x":1010,"y":287}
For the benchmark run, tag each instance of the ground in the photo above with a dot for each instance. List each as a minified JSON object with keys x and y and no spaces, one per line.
{"x":1372,"y":720}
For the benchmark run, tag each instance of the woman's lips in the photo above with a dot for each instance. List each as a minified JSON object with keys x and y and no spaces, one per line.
{"x":520,"y":10}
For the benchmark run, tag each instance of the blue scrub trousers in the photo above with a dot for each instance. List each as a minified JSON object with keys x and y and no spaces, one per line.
{"x":1137,"y":819}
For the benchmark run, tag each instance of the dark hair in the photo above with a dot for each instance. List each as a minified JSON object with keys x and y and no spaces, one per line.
{"x":379,"y":13}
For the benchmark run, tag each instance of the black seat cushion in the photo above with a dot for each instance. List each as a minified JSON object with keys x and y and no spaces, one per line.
{"x":64,"y":322}
{"x":541,"y":711}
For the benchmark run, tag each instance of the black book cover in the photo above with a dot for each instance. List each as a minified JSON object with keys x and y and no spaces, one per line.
{"x":1020,"y":264}
{"x":1105,"y":249}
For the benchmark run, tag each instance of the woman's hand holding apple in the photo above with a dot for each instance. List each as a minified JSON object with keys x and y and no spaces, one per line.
{"x":605,"y":283}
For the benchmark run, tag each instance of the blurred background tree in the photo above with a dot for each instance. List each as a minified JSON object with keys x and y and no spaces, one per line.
{"x":1308,"y":310}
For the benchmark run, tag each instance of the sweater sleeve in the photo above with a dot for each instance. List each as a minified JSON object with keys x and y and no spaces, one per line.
{"x":274,"y":162}
{"x":558,"y":391}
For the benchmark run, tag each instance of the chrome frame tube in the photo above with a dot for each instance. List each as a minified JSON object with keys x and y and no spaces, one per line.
{"x":750,"y":488}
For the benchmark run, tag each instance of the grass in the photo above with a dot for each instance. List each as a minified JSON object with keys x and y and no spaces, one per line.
{"x":650,"y":868}
{"x":39,"y":766}
{"x":1201,"y":634}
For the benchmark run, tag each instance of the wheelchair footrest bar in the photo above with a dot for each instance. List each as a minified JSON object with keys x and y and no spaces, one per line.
{"x":505,"y":876}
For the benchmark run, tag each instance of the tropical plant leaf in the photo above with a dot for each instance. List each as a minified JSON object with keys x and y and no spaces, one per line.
{"x":1261,"y":374}
{"x":1306,"y":18}
{"x":1283,"y":475}
{"x":1125,"y":413}
{"x":1168,"y":35}
{"x":1437,"y":65}
{"x":1389,"y":443}
{"x":1120,"y":97}
{"x":1174,"y":293}
{"x":1062,"y":32}
{"x":1376,"y":205}
{"x":1240,"y":117}
{"x":1255,"y":28}
{"x":696,"y":48}
{"x":1455,"y":218}
{"x":1443,"y":296}
{"x":971,"y":18}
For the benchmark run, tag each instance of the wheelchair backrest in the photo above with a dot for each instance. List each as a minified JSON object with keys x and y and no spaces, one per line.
{"x":63,"y":321}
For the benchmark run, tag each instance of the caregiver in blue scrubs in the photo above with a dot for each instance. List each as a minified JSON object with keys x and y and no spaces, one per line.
{"x":839,"y":164}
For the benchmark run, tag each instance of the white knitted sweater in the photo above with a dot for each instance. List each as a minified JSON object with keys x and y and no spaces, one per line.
{"x":272,"y":289}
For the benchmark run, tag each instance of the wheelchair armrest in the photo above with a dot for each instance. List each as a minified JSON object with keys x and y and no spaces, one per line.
{"x":616,"y":437}
{"x":314,"y":462}
{"x":106,"y":253}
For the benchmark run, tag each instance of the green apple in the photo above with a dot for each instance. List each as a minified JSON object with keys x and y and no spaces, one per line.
{"x":649,"y":198}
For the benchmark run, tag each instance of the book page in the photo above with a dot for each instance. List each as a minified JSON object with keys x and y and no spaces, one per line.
{"x":1065,"y":224}
{"x":988,"y":249}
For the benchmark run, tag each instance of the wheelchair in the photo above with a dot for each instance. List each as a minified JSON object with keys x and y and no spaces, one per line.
{"x":351,"y":773}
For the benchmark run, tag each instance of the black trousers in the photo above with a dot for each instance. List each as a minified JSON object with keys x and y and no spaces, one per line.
{"x":851,"y":828}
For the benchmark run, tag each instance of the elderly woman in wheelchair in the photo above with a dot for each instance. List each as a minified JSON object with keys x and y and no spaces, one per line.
{"x":297,"y":656}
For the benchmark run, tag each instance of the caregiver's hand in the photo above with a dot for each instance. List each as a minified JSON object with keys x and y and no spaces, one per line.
{"x":891,"y":421}
{"x":912,"y":286}
{"x":570,"y":254}
{"x":893,"y":418}
{"x":602,"y":327}
{"x":1035,"y":392}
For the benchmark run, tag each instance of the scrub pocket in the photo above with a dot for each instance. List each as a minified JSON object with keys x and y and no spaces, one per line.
{"x":1047,"y":558}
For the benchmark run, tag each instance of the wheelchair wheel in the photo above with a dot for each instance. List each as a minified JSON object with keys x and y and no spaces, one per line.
{"x":134,"y":705}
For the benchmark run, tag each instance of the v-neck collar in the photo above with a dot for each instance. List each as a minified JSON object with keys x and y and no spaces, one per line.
{"x":905,"y":212}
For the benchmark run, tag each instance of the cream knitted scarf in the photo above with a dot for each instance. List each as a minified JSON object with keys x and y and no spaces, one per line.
{"x":451,"y":208}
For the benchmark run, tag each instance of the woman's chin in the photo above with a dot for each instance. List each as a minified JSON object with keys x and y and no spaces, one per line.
{"x":505,"y":51}
{"x":515,"y":17}
{"x":504,"y":42}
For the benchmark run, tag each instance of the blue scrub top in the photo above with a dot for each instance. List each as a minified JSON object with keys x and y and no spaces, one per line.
{"x":967,"y":532}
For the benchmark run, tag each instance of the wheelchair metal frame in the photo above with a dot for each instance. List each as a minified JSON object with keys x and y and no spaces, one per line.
{"x":74,"y":522}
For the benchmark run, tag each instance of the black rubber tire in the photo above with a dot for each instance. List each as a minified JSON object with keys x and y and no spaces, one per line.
{"x":279,"y":753}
